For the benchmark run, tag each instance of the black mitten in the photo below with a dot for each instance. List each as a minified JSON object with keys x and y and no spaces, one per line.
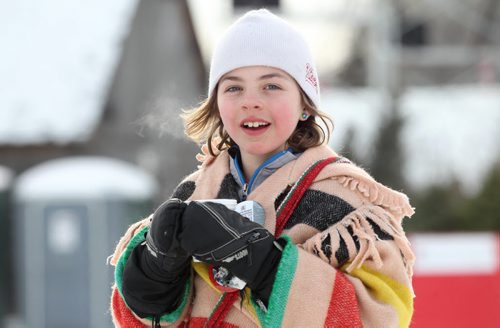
{"x":164,"y":250}
{"x":216,"y":235}
{"x":155,"y":274}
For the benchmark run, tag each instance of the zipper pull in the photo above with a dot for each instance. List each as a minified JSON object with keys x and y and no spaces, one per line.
{"x":245,"y":187}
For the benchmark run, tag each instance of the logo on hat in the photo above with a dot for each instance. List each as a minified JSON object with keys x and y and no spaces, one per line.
{"x":311,"y":77}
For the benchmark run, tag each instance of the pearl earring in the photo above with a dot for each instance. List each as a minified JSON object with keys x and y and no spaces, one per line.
{"x":304,"y":116}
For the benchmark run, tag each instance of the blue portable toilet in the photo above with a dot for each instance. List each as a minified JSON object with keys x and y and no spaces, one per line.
{"x":69,"y":215}
{"x":6,"y":176}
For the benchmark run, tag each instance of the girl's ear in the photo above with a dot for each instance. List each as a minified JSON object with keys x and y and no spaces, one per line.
{"x":305,"y":115}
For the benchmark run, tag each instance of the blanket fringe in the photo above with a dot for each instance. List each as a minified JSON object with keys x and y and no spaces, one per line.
{"x":366,"y":236}
{"x":378,"y":194}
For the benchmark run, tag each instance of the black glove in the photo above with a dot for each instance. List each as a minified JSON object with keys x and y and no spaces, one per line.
{"x":155,"y":274}
{"x":164,"y":250}
{"x":216,"y":235}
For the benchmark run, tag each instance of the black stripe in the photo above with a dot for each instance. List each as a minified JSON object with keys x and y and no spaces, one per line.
{"x":228,"y":188}
{"x":382,"y":234}
{"x":354,"y":238}
{"x":326,"y":246}
{"x":342,"y":253}
{"x":281,"y":197}
{"x":184,"y":190}
{"x":319,"y":210}
{"x":315,"y":250}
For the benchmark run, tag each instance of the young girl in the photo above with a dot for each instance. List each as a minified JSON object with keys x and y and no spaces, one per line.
{"x":331,"y":251}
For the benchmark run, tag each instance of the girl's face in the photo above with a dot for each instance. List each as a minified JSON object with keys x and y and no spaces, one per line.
{"x":260,"y":107}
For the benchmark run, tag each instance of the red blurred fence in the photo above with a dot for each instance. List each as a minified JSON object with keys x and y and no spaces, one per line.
{"x":457,"y":280}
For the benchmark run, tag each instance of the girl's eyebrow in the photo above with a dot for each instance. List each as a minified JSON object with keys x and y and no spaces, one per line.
{"x":263,"y":77}
{"x":272,"y":75}
{"x":231,"y":78}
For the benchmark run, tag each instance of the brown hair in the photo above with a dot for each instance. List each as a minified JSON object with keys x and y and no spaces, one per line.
{"x":203,"y":123}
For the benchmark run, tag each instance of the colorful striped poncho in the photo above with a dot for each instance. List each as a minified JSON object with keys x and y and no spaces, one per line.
{"x":347,"y":262}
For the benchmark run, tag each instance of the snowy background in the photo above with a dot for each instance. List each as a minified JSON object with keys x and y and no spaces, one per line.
{"x":58,"y":58}
{"x":56,"y":64}
{"x":449,"y":132}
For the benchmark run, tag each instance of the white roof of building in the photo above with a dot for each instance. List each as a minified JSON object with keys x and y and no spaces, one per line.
{"x":85,"y":178}
{"x":56,"y":65}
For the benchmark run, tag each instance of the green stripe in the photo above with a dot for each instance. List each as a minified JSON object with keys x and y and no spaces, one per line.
{"x":281,"y":288}
{"x":216,"y":306}
{"x":120,"y":266}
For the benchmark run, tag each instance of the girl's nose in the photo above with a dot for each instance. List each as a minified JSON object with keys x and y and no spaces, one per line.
{"x":251,"y":100}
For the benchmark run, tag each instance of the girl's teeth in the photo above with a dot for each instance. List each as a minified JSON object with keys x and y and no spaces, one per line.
{"x":254,"y":124}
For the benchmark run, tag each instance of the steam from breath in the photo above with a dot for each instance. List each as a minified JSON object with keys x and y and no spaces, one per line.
{"x":162,"y":117}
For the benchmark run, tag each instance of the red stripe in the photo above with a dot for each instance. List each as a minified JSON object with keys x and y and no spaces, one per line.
{"x":299,"y":191}
{"x":343,"y":310}
{"x":222,"y":310}
{"x":199,"y":322}
{"x":122,"y":314}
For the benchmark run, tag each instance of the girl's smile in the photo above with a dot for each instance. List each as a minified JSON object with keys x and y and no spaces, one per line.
{"x":254,"y":126}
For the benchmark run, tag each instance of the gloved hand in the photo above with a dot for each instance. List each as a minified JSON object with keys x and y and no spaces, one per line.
{"x":164,"y":250}
{"x":155,"y":274}
{"x":216,"y":235}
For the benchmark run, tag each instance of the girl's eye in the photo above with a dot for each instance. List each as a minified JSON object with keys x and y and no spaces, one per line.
{"x":272,"y":87}
{"x":233,"y":89}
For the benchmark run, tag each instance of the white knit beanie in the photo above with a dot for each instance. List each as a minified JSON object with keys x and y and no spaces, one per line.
{"x":260,"y":38}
